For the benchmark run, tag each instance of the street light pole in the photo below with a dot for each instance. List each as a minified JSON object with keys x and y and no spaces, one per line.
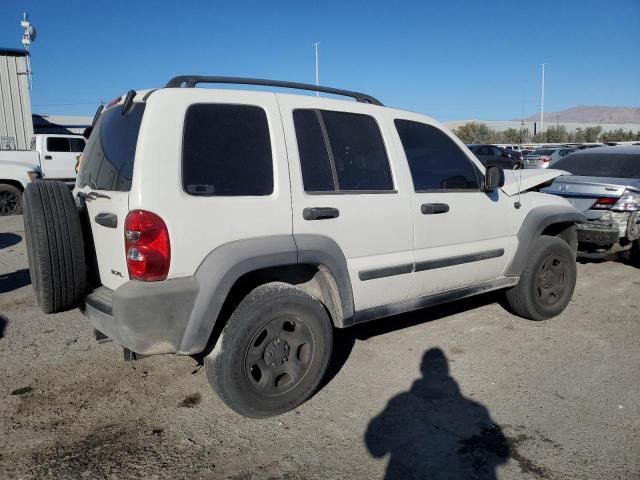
{"x":317,"y":68}
{"x":542,"y":102}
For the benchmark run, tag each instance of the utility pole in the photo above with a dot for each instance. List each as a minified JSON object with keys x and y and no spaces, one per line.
{"x":542,"y":102}
{"x":317,"y":68}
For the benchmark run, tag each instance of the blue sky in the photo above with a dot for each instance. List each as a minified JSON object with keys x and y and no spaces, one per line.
{"x":449,"y":59}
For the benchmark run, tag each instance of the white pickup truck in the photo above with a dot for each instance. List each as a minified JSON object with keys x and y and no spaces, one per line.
{"x":51,"y":156}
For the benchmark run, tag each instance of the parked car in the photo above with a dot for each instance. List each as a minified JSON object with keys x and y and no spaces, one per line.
{"x":244,"y":226}
{"x":15,"y":174}
{"x":545,"y":157}
{"x":493,"y":155}
{"x":55,"y":155}
{"x":605,"y":185}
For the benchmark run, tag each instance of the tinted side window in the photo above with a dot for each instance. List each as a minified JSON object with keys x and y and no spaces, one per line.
{"x":341,"y":152}
{"x":314,"y":157}
{"x":76,"y":144}
{"x":107,"y":161}
{"x":358,"y":152}
{"x":226,"y":151}
{"x":436,"y":162}
{"x":57,"y":144}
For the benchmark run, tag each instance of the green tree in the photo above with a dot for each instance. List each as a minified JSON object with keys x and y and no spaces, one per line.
{"x":556,"y":134}
{"x":475,"y":132}
{"x":591,"y":134}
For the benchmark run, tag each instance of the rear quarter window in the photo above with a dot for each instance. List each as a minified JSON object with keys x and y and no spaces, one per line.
{"x":107,"y":161}
{"x":226,"y":151}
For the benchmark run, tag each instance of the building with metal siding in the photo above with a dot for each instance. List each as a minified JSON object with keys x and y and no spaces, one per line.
{"x":16,"y":125}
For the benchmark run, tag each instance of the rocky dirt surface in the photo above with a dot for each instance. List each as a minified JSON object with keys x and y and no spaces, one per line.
{"x":461,"y":391}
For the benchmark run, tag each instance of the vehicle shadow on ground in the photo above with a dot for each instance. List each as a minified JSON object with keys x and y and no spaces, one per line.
{"x":432,"y":431}
{"x":3,"y":324}
{"x":15,"y":280}
{"x":622,"y":257}
{"x":9,"y":240}
{"x":344,"y":339}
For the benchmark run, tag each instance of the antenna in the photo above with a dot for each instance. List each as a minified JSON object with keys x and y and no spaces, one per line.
{"x":28,"y":36}
{"x":317,"y":68}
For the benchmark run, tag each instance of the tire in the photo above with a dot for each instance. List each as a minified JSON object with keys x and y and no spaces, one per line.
{"x":547,"y":282}
{"x":634,"y":253}
{"x":10,"y":200}
{"x":272,"y":353}
{"x":54,"y":246}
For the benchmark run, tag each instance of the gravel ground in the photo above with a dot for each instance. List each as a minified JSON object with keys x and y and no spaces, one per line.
{"x":460,"y":391}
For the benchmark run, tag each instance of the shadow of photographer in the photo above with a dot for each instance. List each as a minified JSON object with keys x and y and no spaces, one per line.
{"x":433,"y":432}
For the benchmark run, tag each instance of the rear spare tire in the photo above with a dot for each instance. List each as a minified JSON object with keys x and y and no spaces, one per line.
{"x":54,"y":245}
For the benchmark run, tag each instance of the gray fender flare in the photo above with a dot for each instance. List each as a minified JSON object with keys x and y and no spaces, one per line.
{"x":223,"y":266}
{"x":532,"y":227}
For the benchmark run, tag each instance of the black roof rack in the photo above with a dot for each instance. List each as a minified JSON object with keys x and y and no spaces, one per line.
{"x":193,"y":80}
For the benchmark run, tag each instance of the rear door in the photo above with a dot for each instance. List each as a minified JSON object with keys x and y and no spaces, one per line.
{"x":104,"y":182}
{"x":341,"y":170}
{"x":59,"y":156}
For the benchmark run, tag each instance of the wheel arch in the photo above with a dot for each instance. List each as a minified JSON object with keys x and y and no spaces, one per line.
{"x":13,"y":183}
{"x":551,"y":220}
{"x":313,"y":263}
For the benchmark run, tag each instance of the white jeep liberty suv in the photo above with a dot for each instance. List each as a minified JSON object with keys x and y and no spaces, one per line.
{"x":247,"y":225}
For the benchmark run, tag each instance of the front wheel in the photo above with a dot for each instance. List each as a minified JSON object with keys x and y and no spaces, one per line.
{"x":10,"y":200}
{"x":547,"y":282}
{"x":272,"y":353}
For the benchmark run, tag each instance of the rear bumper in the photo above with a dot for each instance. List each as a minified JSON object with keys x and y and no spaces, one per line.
{"x":599,"y":234}
{"x":148,"y":318}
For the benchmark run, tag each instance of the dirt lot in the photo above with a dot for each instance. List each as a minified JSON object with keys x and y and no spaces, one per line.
{"x":462,"y":391}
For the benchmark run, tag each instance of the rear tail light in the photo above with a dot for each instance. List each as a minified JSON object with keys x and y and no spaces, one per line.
{"x":146,"y":241}
{"x":604,"y":203}
{"x":628,"y":202}
{"x":545,"y":159}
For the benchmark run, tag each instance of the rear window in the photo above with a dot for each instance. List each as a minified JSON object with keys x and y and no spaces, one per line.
{"x":226,"y":151}
{"x":601,"y":165}
{"x":107,"y":161}
{"x":546,"y":151}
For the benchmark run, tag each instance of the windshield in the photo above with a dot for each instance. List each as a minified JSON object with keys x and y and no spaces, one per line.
{"x":107,"y":162}
{"x":601,"y":165}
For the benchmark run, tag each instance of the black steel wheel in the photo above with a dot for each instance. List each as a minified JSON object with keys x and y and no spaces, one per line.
{"x":552,"y":279}
{"x":10,"y":200}
{"x":547,"y":282}
{"x":273,"y":351}
{"x":279,"y":355}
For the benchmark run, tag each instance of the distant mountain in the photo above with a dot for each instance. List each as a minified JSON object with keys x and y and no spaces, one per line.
{"x":584,"y":114}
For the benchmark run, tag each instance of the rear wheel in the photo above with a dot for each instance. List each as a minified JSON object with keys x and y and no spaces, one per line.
{"x":547,"y":282}
{"x":10,"y":200}
{"x":54,"y":246}
{"x":272,"y":353}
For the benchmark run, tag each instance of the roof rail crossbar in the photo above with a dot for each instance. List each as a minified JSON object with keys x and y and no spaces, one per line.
{"x":192,"y":80}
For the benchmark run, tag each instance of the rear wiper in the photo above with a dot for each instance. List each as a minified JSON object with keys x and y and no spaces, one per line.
{"x":93,"y":195}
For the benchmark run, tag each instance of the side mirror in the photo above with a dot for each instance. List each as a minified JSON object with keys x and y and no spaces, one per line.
{"x":493,"y":178}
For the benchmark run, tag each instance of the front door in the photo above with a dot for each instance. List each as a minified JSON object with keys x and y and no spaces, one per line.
{"x":461,"y":232}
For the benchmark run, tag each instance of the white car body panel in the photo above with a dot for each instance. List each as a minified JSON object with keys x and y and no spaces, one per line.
{"x":521,"y":180}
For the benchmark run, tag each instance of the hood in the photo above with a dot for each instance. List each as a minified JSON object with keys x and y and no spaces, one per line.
{"x":522,"y":180}
{"x":27,"y":165}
